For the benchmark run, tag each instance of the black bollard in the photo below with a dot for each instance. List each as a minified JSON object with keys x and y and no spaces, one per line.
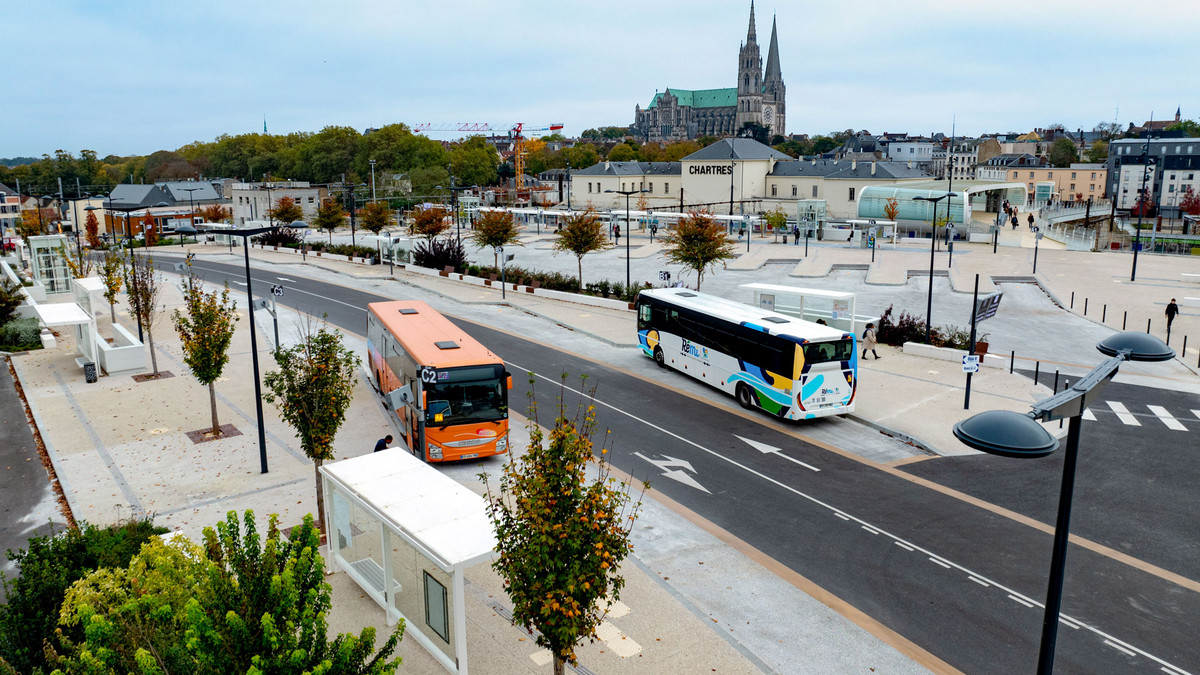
{"x":1012,"y":359}
{"x":1085,"y":303}
{"x":1037,"y":366}
{"x":1104,"y":313}
{"x":1124,"y":318}
{"x":1072,"y":300}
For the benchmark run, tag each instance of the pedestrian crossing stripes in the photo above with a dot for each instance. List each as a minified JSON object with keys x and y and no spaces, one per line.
{"x":1131,"y":419}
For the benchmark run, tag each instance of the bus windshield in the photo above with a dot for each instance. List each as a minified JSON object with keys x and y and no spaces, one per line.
{"x":825,"y":352}
{"x":464,"y":395}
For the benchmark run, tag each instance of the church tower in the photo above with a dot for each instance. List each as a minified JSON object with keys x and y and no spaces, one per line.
{"x":750,"y":87}
{"x":774,"y":92}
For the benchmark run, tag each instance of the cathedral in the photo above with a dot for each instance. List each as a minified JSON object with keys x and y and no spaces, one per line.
{"x":682,"y":114}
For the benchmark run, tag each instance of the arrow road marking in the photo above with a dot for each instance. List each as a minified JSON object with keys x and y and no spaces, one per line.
{"x":680,"y":474}
{"x":770,"y":449}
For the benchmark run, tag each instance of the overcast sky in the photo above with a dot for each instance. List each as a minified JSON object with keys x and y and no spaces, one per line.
{"x":134,"y":77}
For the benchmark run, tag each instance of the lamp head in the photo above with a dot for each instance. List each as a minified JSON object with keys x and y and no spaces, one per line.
{"x":297,"y":225}
{"x":185,"y":229}
{"x":1135,"y":346}
{"x":1006,"y":433}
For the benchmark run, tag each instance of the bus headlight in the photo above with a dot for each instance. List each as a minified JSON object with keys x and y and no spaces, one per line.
{"x":434,"y":452}
{"x":502,"y":445}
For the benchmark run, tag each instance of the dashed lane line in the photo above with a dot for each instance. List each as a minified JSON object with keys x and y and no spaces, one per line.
{"x":1166,"y":418}
{"x":1123,"y":413}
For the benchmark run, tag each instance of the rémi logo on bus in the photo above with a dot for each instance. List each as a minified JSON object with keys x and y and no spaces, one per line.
{"x":692,"y":350}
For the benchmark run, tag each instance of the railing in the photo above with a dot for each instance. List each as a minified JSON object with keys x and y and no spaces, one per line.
{"x":1075,"y":238}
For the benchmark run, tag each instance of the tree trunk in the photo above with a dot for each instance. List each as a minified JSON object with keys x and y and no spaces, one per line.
{"x":212,"y":402}
{"x":153,"y":358}
{"x":559,"y":666}
{"x":580,"y":261}
{"x":699,"y":275}
{"x":320,"y":498}
{"x":112,"y":313}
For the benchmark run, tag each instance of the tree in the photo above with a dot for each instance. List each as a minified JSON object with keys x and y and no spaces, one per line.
{"x":891,"y":208}
{"x":312,"y":389}
{"x":1189,"y":127}
{"x":1098,"y":153}
{"x":11,"y":298}
{"x":581,"y":234}
{"x":215,"y":213}
{"x":697,"y":241}
{"x":622,"y":152}
{"x":1108,"y":130}
{"x":286,"y":210}
{"x":430,"y":223}
{"x":92,"y":227}
{"x":1189,"y":203}
{"x":756,"y":131}
{"x":205,"y":333}
{"x":823,"y":144}
{"x":235,"y":604}
{"x":375,"y":216}
{"x":560,"y":535}
{"x":776,"y":219}
{"x":79,"y":265}
{"x":111,"y":275}
{"x":143,"y":285}
{"x":493,"y":229}
{"x":149,"y":230}
{"x":1063,"y":152}
{"x":330,"y":216}
{"x":27,"y":227}
{"x":474,"y":162}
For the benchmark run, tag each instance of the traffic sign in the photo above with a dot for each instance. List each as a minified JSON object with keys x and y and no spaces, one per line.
{"x":970,"y":363}
{"x":664,"y":276}
{"x":986,"y":307}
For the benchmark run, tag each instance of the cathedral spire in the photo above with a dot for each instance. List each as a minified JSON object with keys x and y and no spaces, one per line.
{"x":773,"y":73}
{"x":750,"y":36}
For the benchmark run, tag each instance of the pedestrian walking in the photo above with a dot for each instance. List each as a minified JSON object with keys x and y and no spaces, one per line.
{"x":383,"y":443}
{"x":617,"y":233}
{"x":653,"y":230}
{"x":1014,"y":221}
{"x":796,"y":234}
{"x":868,"y":341}
{"x":1030,"y":220}
{"x":1172,"y":310}
{"x":741,"y":232}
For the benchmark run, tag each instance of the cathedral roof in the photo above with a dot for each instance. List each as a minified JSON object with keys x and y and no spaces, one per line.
{"x":773,"y":72}
{"x":700,"y":98}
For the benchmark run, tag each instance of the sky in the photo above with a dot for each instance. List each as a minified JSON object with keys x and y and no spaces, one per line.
{"x":135,"y":76}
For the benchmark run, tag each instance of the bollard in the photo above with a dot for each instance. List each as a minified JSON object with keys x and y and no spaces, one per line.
{"x":1148,"y":326}
{"x":1055,"y":389}
{"x":1184,"y":350}
{"x":1104,"y":313}
{"x":1037,"y":366}
{"x":1066,"y":386}
{"x":1124,"y":318}
{"x":1012,"y":358}
{"x":1085,"y":303}
{"x":1072,"y":300}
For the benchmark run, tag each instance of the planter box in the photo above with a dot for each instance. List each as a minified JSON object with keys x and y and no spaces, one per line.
{"x":124,"y":353}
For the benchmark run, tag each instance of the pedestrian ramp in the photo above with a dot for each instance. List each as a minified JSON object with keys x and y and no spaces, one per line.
{"x":1154,"y":413}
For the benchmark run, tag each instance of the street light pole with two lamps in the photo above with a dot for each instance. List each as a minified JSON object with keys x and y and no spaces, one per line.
{"x":628,"y":233}
{"x":932,"y":242}
{"x":1013,"y":434}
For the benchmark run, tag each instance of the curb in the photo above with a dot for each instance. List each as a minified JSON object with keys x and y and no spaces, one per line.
{"x":898,"y":435}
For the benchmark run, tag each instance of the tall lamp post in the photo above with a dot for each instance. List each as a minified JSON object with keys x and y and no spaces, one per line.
{"x":932,"y":240}
{"x":191,"y":210}
{"x":628,"y":234}
{"x":75,"y":215}
{"x":372,"y":180}
{"x":245,"y":235}
{"x":1012,"y":434}
{"x":126,"y":212}
{"x":454,"y":190}
{"x":1143,"y":201}
{"x":568,"y":187}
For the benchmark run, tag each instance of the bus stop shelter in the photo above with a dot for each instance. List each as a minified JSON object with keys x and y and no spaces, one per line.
{"x":406,"y":534}
{"x":809,"y":304}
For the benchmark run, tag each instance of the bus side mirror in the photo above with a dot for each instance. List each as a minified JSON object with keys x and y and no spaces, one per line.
{"x":399,"y":397}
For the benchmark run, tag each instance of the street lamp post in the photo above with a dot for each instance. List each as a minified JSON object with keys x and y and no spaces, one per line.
{"x":245,"y":235}
{"x":454,"y":190}
{"x":1012,"y":434}
{"x":568,"y":187}
{"x":372,"y":180}
{"x":191,"y":210}
{"x":1144,"y":199}
{"x":126,"y":211}
{"x":932,"y":240}
{"x":628,"y":234}
{"x":75,"y":213}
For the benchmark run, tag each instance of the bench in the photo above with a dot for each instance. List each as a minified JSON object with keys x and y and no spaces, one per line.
{"x":490,"y":280}
{"x":533,"y":286}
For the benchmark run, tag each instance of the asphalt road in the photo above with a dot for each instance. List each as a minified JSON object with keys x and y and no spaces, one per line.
{"x":958,"y":580}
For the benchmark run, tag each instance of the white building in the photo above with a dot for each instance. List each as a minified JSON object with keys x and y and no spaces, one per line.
{"x":251,"y":201}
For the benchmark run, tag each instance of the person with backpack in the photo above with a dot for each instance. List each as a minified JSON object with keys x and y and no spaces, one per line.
{"x":868,"y":341}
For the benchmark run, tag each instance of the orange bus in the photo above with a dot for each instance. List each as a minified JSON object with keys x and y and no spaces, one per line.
{"x":449,"y":392}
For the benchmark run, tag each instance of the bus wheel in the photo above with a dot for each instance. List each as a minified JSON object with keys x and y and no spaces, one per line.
{"x":744,"y":397}
{"x":659,"y":358}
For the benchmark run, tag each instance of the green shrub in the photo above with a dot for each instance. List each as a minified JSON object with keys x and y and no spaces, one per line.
{"x":279,"y":237}
{"x":20,"y":335}
{"x":47,"y":568}
{"x":906,"y":328}
{"x":352,"y":250}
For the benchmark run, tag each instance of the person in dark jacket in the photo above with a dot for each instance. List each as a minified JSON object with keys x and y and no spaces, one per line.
{"x":1172,"y":310}
{"x":383,"y":443}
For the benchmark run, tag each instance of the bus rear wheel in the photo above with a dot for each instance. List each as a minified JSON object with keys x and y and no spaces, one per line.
{"x":659,"y":357}
{"x":744,"y":397}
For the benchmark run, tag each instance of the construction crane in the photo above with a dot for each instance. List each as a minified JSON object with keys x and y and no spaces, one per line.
{"x":517,"y":132}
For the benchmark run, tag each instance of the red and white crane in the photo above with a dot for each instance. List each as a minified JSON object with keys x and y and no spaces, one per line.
{"x":518,"y":132}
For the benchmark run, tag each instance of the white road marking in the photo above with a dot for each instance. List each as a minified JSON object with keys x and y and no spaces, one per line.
{"x":979,"y":581}
{"x":1172,"y":670}
{"x":778,"y":452}
{"x":906,"y":547}
{"x":681,"y":474}
{"x":1123,"y":413}
{"x":237,"y":283}
{"x":1020,"y":601}
{"x":947,"y":566}
{"x":841,"y":515}
{"x":1196,"y":413}
{"x":1166,"y":418}
{"x":870,"y":529}
{"x":290,"y":281}
{"x":1088,"y":415}
{"x":1068,"y":623}
{"x":1118,"y":647}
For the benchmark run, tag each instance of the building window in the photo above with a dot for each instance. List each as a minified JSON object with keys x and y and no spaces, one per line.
{"x":814,"y":191}
{"x":1014,"y":174}
{"x":1170,"y":188}
{"x":589,"y":187}
{"x":1031,"y":174}
{"x":1072,"y":175}
{"x":774,"y":190}
{"x":1072,"y":187}
{"x":666,"y":188}
{"x":1092,"y":187}
{"x":1050,"y":174}
{"x":851,"y":194}
{"x":651,"y":190}
{"x":793,"y":190}
{"x":1093,"y":175}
